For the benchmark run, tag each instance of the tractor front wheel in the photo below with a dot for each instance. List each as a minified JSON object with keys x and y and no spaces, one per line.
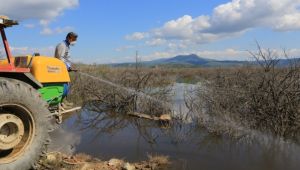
{"x":23,"y":125}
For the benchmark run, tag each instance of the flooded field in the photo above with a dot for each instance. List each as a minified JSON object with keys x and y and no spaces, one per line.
{"x":110,"y":135}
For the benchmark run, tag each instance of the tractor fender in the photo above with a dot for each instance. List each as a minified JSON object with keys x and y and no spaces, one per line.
{"x":25,"y":77}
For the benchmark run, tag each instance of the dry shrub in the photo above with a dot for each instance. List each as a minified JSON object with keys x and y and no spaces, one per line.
{"x":123,"y":89}
{"x":263,"y":96}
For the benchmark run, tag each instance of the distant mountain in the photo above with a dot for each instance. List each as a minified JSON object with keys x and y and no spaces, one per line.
{"x":193,"y":60}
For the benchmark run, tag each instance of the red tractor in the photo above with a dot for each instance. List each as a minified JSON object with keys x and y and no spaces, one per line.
{"x":31,"y":90}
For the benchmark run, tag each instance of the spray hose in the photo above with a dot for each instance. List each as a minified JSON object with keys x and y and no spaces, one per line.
{"x":130,"y":90}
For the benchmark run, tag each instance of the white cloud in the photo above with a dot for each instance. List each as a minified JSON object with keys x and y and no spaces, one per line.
{"x":43,"y":10}
{"x":226,"y":54}
{"x":230,"y":19}
{"x":47,"y":31}
{"x":57,"y":30}
{"x":30,"y":26}
{"x":44,"y":22}
{"x":180,"y":28}
{"x":45,"y":51}
{"x":158,"y":55}
{"x":124,"y":48}
{"x":240,"y":15}
{"x":136,"y":36}
{"x":155,"y":42}
{"x":293,"y":52}
{"x":36,"y":9}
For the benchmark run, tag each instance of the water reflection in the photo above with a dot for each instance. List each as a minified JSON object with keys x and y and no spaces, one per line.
{"x":96,"y":118}
{"x":107,"y":135}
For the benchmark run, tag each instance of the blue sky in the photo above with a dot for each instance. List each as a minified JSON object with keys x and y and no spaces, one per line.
{"x":111,"y":31}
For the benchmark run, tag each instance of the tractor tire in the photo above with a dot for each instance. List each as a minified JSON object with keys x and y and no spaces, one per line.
{"x":24,"y":125}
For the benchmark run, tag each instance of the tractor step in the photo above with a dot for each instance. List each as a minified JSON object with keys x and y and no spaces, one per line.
{"x":62,"y":111}
{"x":69,"y":110}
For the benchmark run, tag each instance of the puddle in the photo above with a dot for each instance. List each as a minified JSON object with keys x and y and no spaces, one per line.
{"x":109,"y":135}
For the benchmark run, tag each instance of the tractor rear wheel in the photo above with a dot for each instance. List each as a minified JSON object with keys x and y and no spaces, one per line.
{"x":23,"y":125}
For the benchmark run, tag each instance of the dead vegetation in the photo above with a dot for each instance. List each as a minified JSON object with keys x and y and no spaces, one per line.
{"x":123,"y":90}
{"x":263,"y":96}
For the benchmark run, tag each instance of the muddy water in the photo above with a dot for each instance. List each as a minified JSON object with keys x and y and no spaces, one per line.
{"x":107,"y":135}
